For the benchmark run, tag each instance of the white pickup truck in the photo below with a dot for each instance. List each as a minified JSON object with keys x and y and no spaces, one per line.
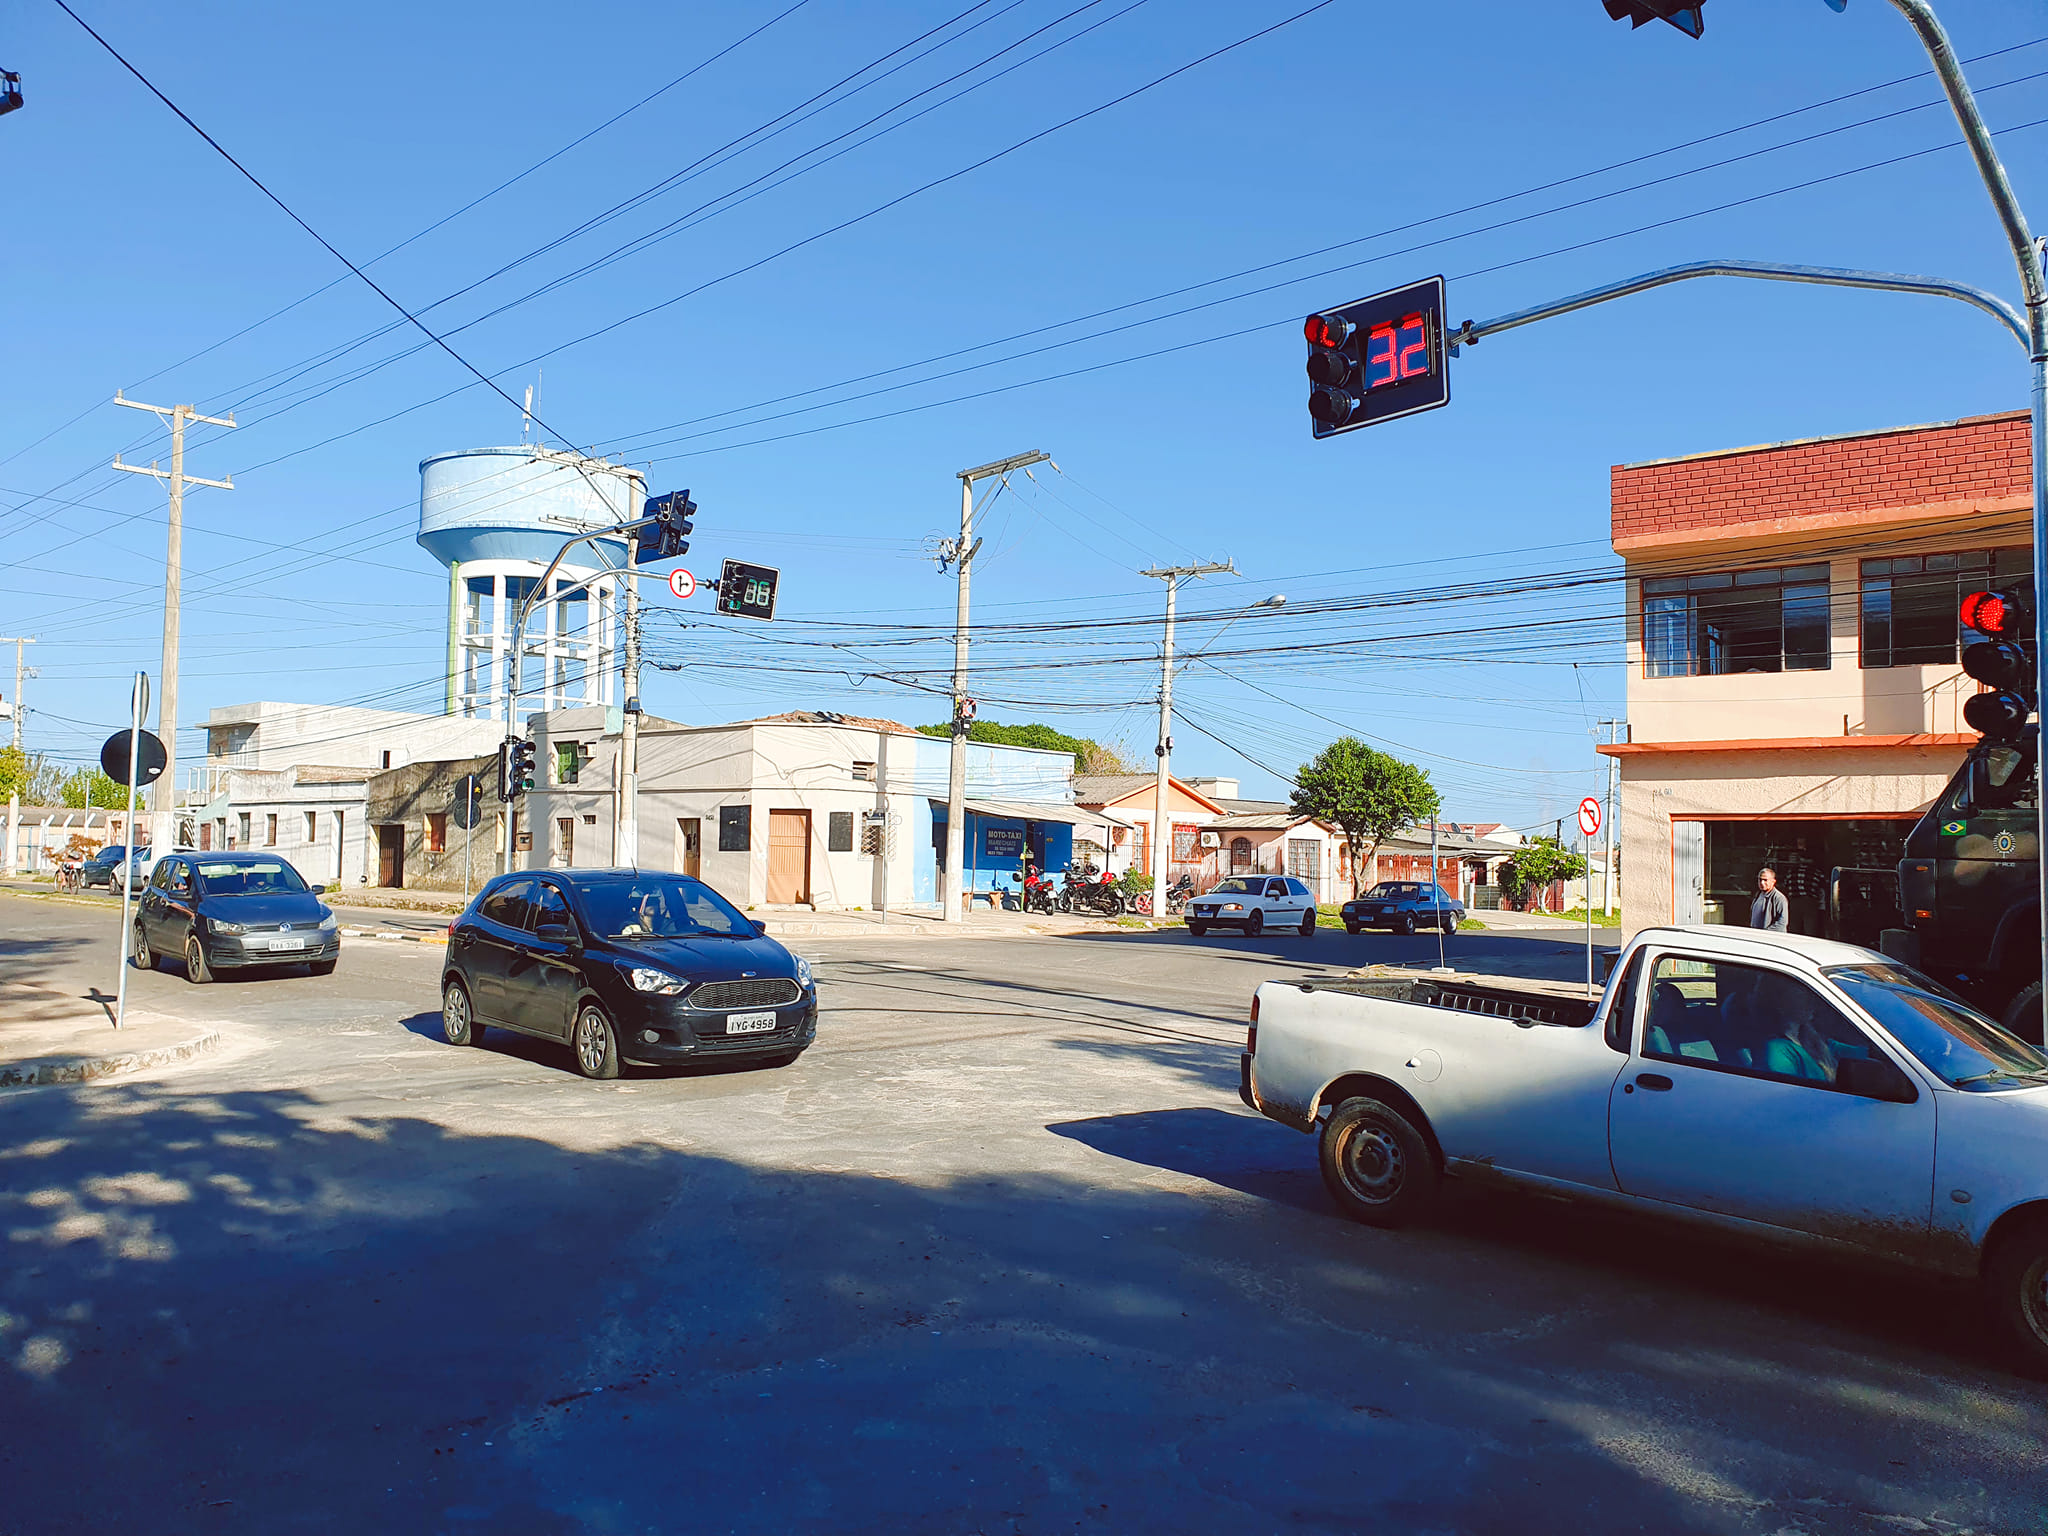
{"x":1766,"y":1083}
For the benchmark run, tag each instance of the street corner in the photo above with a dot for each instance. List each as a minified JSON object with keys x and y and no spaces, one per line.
{"x":49,"y":1038}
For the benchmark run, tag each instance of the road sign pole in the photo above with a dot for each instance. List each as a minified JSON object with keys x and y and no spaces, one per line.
{"x":137,"y":702}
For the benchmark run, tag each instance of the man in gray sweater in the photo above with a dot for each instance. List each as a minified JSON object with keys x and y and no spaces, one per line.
{"x":1769,"y":910}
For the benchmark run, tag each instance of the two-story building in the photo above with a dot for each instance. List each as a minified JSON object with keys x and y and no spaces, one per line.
{"x":1794,"y":688}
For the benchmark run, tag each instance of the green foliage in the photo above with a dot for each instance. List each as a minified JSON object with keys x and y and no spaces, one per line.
{"x":13,"y":772}
{"x":1366,"y":793}
{"x":84,"y":787}
{"x":1536,"y":864}
{"x":30,"y":775}
{"x":1089,"y":756}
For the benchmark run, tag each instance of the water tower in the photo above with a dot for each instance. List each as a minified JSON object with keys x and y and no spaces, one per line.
{"x":495,"y":517}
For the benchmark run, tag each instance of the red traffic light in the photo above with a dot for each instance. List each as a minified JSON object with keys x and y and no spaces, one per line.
{"x":1990,"y":613}
{"x":1327,"y":330}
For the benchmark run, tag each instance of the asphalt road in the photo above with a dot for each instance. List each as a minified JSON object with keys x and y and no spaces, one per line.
{"x":1002,"y":1253}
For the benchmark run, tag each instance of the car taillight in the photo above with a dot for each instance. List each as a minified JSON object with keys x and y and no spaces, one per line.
{"x":1251,"y":1034}
{"x":451,"y":928}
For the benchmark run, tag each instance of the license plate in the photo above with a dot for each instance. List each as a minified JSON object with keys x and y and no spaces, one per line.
{"x":288,"y":943}
{"x":749,"y":1023}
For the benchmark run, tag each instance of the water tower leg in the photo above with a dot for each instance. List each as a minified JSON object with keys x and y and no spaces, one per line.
{"x":454,"y":637}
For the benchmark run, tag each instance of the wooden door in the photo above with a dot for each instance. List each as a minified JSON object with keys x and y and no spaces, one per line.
{"x":391,"y":856}
{"x":690,"y":846}
{"x":789,"y":857}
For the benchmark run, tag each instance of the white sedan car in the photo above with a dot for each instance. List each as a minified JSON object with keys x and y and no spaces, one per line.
{"x":1254,"y":904}
{"x":1763,"y":1083}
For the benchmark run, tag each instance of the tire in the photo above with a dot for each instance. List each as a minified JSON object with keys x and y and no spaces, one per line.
{"x":458,"y":1016}
{"x":2023,"y":1014}
{"x":144,"y":956}
{"x":1377,"y":1166}
{"x":1308,"y":924}
{"x":1352,"y":929}
{"x":1404,"y":925}
{"x":1113,"y":904}
{"x":594,"y":1044}
{"x":1197,"y":930}
{"x":196,"y":969}
{"x":321,"y":968}
{"x":2016,"y":1290}
{"x":1255,"y":925}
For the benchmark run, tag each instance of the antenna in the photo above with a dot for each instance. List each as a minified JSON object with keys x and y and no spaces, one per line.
{"x":526,"y":424}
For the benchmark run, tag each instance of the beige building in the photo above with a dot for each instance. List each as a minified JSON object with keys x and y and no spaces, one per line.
{"x":1794,"y":688}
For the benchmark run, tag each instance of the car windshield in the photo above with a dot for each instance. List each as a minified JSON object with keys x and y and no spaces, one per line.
{"x":1239,"y":888}
{"x":661,"y":907}
{"x":267,"y":878}
{"x":1390,"y":892}
{"x":1950,"y":1038}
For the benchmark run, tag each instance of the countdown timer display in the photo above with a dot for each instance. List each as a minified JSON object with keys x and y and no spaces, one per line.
{"x":1377,"y":358}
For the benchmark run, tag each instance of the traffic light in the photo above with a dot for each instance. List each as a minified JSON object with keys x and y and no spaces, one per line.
{"x":2003,"y":661}
{"x":1377,"y":358}
{"x":515,"y":767}
{"x":748,"y":590}
{"x":1686,"y":18}
{"x":674,"y":516}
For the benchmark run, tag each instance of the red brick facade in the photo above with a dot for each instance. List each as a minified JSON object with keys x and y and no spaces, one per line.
{"x":1981,"y":459}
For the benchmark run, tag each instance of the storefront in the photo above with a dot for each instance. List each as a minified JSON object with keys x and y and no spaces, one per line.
{"x":1838,"y":873}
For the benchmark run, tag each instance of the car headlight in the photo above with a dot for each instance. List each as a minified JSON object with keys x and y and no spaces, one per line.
{"x":803,"y":973}
{"x":329,"y":923}
{"x":220,"y":927}
{"x":1233,"y":906}
{"x":647,"y":980}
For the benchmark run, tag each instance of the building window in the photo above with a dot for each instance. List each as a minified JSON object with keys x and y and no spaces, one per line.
{"x":1184,"y":843}
{"x":437,"y":832}
{"x":244,"y":829}
{"x":1909,"y":603}
{"x":735,"y":828}
{"x":1769,"y":620}
{"x":387,"y":759}
{"x":1304,"y":858}
{"x":1240,"y":855}
{"x":312,"y":826}
{"x":839,"y":828}
{"x":270,"y":830}
{"x":568,"y":762}
{"x":864,"y":773}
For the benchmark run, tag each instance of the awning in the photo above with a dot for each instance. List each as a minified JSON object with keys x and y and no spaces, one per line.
{"x":1028,"y":810}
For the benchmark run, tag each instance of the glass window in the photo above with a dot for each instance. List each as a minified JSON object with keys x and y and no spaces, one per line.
{"x":1748,"y":1020}
{"x":1240,"y":853}
{"x":437,"y":831}
{"x":1183,"y":843}
{"x":736,"y":828}
{"x":839,"y":832}
{"x":1304,"y":858}
{"x":260,"y":877}
{"x":661,"y":906}
{"x":1621,"y":1010}
{"x":1236,"y":888}
{"x":1951,"y":1039}
{"x":568,"y":762}
{"x":161,"y":879}
{"x":507,"y":904}
{"x":548,"y":906}
{"x":1771,"y":619}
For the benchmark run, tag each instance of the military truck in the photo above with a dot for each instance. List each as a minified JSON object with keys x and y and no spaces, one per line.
{"x":1969,"y":887}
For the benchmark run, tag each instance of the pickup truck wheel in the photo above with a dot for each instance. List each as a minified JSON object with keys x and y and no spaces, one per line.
{"x":2023,"y":1014}
{"x":2016,"y":1287}
{"x":1376,"y":1164}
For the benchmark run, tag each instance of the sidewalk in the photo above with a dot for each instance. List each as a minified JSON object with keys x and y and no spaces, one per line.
{"x":48,"y":1036}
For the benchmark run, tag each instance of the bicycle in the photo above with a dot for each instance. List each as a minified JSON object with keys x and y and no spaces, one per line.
{"x":69,"y":874}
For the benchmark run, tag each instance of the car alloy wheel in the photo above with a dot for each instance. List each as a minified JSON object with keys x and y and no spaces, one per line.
{"x":196,"y":970}
{"x":597,"y":1054}
{"x":145,"y":960}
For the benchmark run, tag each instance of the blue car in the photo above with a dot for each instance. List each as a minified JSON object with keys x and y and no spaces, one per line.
{"x":1404,"y":906}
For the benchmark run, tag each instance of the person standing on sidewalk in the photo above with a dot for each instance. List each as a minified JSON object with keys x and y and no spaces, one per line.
{"x":1769,"y":911}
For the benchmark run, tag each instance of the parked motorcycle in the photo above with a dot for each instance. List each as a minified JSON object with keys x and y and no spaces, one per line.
{"x":1090,"y":890}
{"x":1177,"y":897}
{"x":1039,"y":894}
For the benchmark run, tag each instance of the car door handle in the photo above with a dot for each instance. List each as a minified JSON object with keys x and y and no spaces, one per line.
{"x":1656,"y":1082}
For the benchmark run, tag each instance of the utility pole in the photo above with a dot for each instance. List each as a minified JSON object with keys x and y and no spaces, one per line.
{"x":1162,"y":825}
{"x":962,"y":557}
{"x":163,"y":828}
{"x":1607,"y":874}
{"x":626,"y":835}
{"x":14,"y":794}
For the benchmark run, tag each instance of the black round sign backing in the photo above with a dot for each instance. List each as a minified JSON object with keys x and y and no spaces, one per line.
{"x":150,"y":758}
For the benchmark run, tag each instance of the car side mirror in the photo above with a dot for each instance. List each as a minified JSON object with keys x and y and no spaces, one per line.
{"x":320,"y":890}
{"x":760,"y":925}
{"x":1873,"y":1077}
{"x":555,"y":933}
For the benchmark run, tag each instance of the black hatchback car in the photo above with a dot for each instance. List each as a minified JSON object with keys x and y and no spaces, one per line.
{"x":232,"y":911}
{"x":624,"y":965}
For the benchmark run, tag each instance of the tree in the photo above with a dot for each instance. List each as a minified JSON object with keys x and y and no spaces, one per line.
{"x":84,"y":787}
{"x":1369,"y":795}
{"x":30,"y":775}
{"x":1536,"y":864}
{"x":1089,"y":756}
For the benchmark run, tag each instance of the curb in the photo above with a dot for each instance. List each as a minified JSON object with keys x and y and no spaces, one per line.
{"x":393,"y":933}
{"x":74,"y":1069}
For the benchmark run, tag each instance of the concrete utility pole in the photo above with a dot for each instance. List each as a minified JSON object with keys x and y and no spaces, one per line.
{"x":962,"y":557}
{"x":1607,"y":874}
{"x":626,"y":836}
{"x":1162,"y":825}
{"x":14,"y":795}
{"x":163,"y":822}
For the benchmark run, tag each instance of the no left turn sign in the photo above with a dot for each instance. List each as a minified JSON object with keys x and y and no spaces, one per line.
{"x":682,"y":583}
{"x":1589,"y":816}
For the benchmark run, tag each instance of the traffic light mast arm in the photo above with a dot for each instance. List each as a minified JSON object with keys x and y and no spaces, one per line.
{"x":1837,"y":277}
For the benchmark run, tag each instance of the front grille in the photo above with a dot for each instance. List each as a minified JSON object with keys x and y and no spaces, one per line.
{"x":722,"y":996}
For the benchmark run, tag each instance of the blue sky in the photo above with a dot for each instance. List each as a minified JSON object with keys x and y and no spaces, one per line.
{"x":132,"y":247}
